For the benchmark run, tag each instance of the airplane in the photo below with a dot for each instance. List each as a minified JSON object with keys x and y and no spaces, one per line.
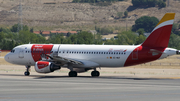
{"x":47,"y":58}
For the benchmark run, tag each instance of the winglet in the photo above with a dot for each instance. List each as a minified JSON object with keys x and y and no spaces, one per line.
{"x":160,"y":35}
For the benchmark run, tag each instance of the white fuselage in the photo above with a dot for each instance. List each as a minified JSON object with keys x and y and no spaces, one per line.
{"x":104,"y":55}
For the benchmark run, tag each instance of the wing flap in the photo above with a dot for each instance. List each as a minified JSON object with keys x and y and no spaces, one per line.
{"x":64,"y":60}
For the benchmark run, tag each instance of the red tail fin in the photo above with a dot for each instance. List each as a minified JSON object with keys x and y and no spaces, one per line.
{"x":159,"y":37}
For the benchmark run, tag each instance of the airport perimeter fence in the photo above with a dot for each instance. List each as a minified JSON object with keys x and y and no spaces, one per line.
{"x":161,"y":64}
{"x":164,"y":63}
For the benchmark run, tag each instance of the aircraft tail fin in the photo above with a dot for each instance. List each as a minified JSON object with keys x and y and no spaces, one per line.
{"x":160,"y":35}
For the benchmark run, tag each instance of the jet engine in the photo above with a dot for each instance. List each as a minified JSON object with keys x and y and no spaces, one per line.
{"x":45,"y":67}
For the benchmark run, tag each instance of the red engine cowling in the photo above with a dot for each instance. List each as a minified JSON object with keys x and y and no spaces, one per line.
{"x":45,"y":67}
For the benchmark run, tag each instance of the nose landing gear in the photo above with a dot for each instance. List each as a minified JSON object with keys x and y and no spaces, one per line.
{"x":27,"y":73}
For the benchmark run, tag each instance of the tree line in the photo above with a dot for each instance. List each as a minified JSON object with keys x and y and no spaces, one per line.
{"x":9,"y":37}
{"x":93,"y":1}
{"x":149,"y":3}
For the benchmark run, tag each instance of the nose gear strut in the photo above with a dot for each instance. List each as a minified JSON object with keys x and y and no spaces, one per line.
{"x":27,"y":73}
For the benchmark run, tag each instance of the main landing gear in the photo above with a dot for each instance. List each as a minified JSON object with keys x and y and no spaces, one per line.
{"x":72,"y":74}
{"x":27,"y":73}
{"x":95,"y":73}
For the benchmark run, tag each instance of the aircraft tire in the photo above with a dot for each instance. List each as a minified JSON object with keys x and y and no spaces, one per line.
{"x":72,"y":74}
{"x":26,"y":73}
{"x":95,"y":73}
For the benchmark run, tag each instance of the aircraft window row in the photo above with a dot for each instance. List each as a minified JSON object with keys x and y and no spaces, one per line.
{"x":76,"y":52}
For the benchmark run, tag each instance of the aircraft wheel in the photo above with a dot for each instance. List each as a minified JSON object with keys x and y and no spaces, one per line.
{"x":95,"y":73}
{"x":26,"y":73}
{"x":72,"y":74}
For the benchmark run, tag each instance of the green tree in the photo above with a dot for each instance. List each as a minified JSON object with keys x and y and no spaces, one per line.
{"x":161,"y":4}
{"x":126,"y":38}
{"x":56,"y":39}
{"x":2,"y":36}
{"x":14,"y":28}
{"x":145,"y":22}
{"x":98,"y":39}
{"x":85,"y":38}
{"x":119,"y":14}
{"x":140,"y":39}
{"x":68,"y":34}
{"x":31,"y":30}
{"x":175,"y":29}
{"x":104,"y":30}
{"x":140,"y":31}
{"x":126,"y":14}
{"x":174,"y":41}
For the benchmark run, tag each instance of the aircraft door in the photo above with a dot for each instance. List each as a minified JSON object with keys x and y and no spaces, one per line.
{"x":21,"y":53}
{"x":56,"y":50}
{"x":135,"y":54}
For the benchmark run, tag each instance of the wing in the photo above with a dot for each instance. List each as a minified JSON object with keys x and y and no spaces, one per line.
{"x":63,"y":60}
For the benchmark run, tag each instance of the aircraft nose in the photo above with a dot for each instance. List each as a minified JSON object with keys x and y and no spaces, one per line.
{"x":6,"y":57}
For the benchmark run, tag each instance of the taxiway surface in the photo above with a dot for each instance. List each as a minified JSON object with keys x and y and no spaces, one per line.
{"x":85,"y":88}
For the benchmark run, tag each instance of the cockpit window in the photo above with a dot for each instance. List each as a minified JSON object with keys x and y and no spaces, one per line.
{"x":12,"y":51}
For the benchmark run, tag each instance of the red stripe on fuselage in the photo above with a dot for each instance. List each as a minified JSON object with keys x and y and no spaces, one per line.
{"x":38,"y":49}
{"x":142,"y":55}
